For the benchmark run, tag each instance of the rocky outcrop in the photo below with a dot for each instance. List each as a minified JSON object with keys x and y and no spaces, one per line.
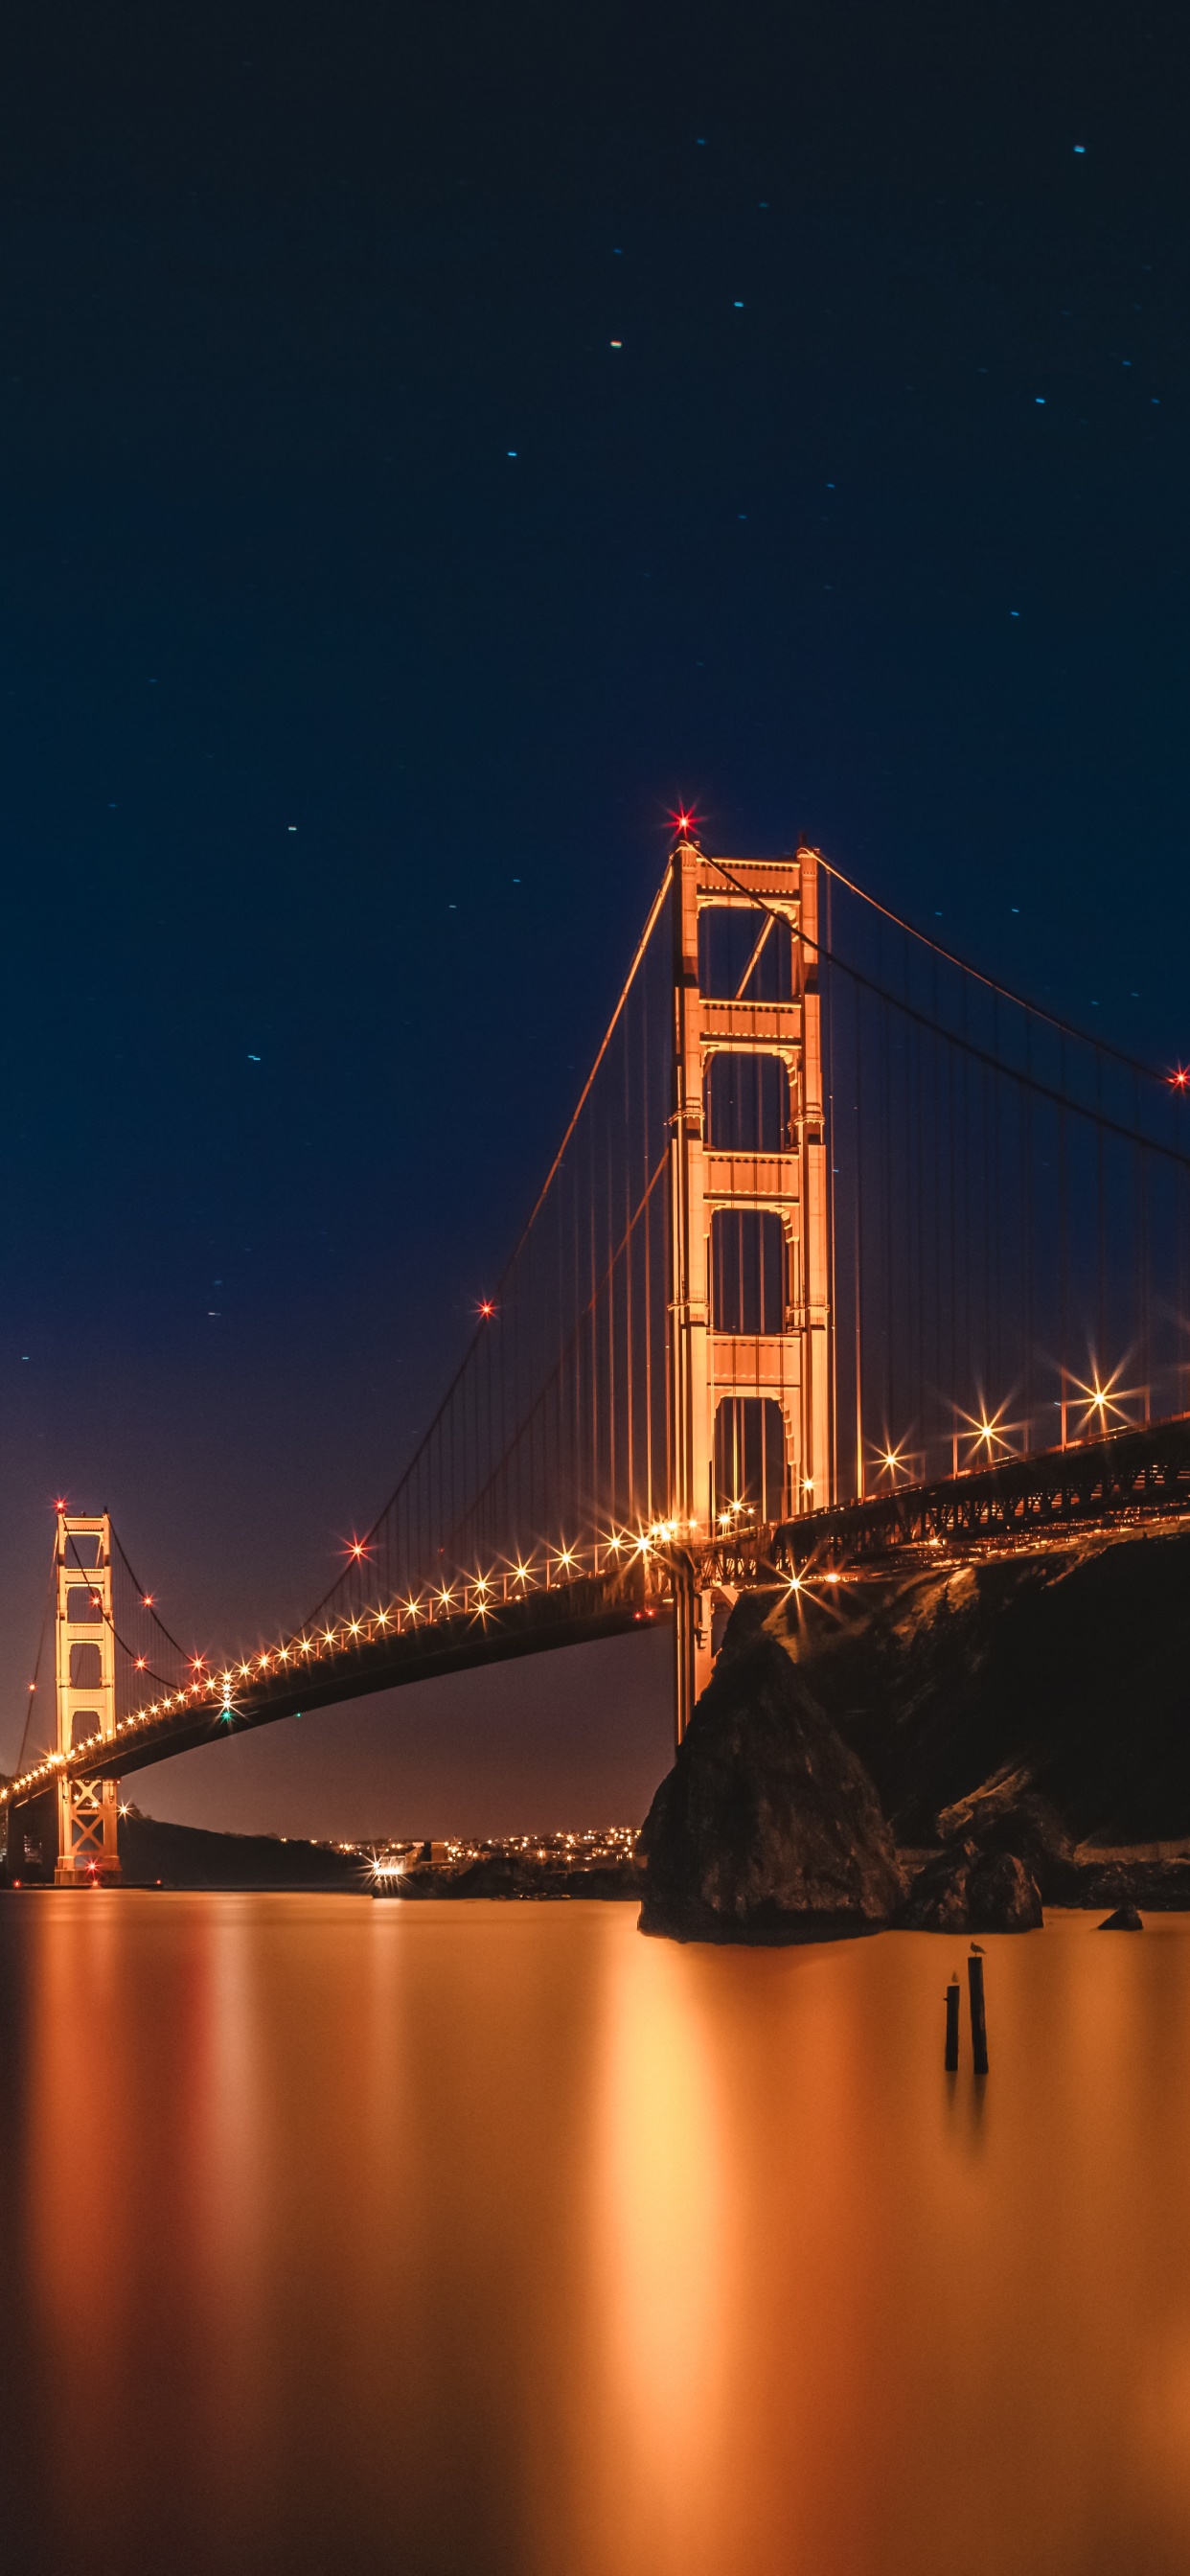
{"x":1125,"y":1919}
{"x":1043,"y":1693}
{"x":1006,"y":1814}
{"x":969,"y":1890}
{"x":768,"y":1827}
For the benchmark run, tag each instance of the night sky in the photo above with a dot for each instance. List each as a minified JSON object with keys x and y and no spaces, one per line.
{"x":436,"y":440}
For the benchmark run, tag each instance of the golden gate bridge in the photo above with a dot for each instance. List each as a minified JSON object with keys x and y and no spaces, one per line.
{"x":847,"y":1251}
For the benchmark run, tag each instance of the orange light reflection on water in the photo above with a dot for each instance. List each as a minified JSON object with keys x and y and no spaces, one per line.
{"x":497,"y":2238}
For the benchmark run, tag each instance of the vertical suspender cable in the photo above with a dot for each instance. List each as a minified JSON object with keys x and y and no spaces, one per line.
{"x":826,"y":985}
{"x":858,"y":1246}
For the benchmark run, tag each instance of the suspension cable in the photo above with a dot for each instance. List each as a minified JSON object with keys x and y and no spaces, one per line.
{"x":1069,"y":1029}
{"x":980,"y":1055}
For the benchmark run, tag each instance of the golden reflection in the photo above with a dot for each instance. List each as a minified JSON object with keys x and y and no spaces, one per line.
{"x":659,"y":2219}
{"x":502,"y":2239}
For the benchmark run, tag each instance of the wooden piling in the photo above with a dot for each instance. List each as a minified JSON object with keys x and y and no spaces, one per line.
{"x":979,"y":2028}
{"x":952,"y":2026}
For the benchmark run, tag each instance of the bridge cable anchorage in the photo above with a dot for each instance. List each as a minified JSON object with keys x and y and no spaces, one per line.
{"x":836,"y":1222}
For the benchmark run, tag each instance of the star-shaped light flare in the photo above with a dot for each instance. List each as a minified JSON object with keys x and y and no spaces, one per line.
{"x":1102,"y":1400}
{"x":988,"y":1434}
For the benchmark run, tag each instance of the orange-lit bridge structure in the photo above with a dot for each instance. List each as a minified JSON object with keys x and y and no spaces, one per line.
{"x":847,"y":1252}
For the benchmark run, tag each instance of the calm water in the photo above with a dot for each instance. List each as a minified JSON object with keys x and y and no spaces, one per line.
{"x":488,"y":2238}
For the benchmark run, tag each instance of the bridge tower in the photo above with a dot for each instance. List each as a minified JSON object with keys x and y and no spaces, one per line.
{"x":750,"y":1340}
{"x":85,"y":1661}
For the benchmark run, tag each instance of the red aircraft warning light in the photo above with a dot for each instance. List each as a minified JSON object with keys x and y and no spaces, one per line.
{"x":1180,"y":1078}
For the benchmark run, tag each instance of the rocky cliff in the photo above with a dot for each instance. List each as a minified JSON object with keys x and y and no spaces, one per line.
{"x":768,"y":1825}
{"x":1035,"y":1706}
{"x":1061,"y":1677}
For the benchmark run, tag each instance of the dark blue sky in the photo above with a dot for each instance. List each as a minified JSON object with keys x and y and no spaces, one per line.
{"x":364,"y":607}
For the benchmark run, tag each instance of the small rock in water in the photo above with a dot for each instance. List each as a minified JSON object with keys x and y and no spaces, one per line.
{"x":1125,"y":1919}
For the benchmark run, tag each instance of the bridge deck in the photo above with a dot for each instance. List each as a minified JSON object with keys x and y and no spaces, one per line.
{"x":569,"y":1614}
{"x":1130,"y":1475}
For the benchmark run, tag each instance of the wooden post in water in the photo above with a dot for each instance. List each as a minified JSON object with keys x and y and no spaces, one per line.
{"x":979,"y":2028}
{"x":952,"y":2026}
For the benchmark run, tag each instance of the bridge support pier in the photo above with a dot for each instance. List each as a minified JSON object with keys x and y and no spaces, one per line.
{"x":694,"y":1607}
{"x":85,"y":1662}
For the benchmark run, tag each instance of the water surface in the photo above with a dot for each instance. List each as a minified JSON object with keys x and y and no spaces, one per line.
{"x":494,"y":2238}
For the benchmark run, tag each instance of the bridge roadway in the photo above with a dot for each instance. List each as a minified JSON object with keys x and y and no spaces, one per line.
{"x":1125,"y":1478}
{"x":612,"y":1602}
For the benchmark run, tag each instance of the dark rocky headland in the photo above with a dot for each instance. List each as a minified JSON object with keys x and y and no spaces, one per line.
{"x":947,"y":1748}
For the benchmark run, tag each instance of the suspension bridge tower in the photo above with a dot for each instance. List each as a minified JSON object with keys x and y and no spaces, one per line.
{"x":85,"y":1664}
{"x":750,"y":1313}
